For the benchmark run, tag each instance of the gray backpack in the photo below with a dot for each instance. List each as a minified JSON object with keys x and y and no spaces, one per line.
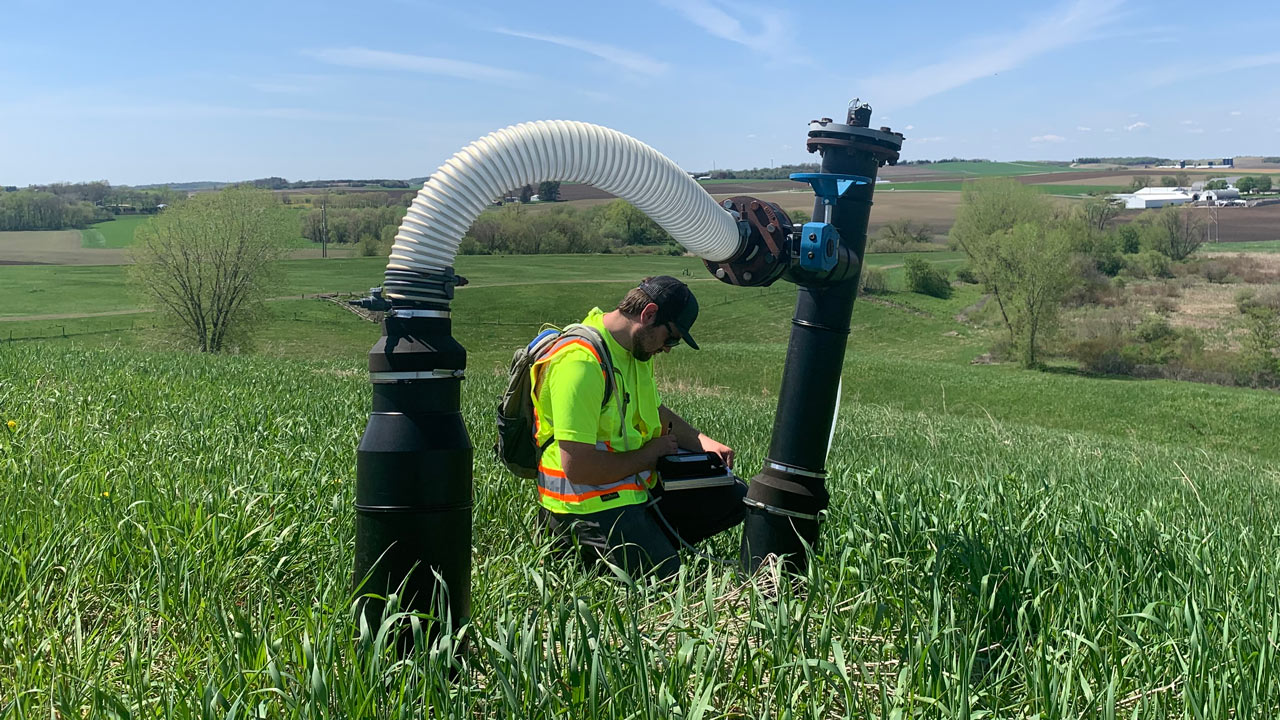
{"x":517,"y":447}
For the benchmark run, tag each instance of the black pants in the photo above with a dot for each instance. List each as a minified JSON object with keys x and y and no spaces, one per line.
{"x":634,"y":537}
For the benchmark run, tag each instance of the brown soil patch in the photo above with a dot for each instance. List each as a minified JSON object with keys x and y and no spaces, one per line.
{"x":1237,"y":224}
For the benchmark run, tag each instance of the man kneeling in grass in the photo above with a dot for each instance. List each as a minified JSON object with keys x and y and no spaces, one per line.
{"x":596,"y":478}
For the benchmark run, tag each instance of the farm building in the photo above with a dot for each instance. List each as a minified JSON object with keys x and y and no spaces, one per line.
{"x":1214,"y":196}
{"x":1154,"y":198}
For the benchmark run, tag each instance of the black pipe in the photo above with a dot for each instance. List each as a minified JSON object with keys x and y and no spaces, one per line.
{"x":786,"y":500}
{"x":413,"y":473}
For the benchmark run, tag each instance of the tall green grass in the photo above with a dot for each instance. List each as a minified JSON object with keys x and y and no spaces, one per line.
{"x":178,"y":537}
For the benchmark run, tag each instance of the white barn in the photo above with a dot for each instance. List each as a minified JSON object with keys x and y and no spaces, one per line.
{"x":1154,"y":198}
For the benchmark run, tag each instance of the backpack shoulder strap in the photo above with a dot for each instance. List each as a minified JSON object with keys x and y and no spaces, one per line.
{"x":594,"y":337}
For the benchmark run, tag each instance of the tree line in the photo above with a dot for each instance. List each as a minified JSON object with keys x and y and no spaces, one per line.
{"x":60,"y":206}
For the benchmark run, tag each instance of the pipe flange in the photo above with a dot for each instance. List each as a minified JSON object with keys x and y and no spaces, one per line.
{"x":766,"y":252}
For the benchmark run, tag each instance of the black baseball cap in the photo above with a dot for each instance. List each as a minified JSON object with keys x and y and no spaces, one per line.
{"x":676,"y":304}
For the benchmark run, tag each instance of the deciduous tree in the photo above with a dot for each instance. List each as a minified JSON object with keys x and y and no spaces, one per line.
{"x":1174,"y":232}
{"x":549,"y":190}
{"x":208,"y":262}
{"x":1006,"y":229}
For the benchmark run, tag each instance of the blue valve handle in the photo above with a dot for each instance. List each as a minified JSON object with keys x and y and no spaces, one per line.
{"x":830,"y":186}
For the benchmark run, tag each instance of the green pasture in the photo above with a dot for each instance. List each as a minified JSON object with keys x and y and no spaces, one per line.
{"x":50,"y":289}
{"x":120,"y":233}
{"x":117,"y":233}
{"x":1267,"y":246}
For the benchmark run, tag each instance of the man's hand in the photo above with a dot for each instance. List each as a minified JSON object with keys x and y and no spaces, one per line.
{"x":712,"y":446}
{"x":660,"y":446}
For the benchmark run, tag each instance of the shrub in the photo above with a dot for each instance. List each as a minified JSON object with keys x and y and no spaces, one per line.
{"x":925,"y":279}
{"x":1215,"y":272}
{"x":873,"y":282}
{"x":1130,"y":239}
{"x":966,"y":275}
{"x":1258,"y":359}
{"x":1105,"y":355}
{"x":1249,"y":299}
{"x":1147,"y":264}
{"x":1155,"y":328}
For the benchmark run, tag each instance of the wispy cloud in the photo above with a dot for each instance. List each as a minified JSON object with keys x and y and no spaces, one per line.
{"x":366,"y":59}
{"x":1188,"y":122}
{"x":772,"y":34}
{"x":1169,"y":74}
{"x":142,"y":109}
{"x":910,"y":127}
{"x":1072,"y":24}
{"x":1195,"y":130}
{"x":1047,"y":139}
{"x":1236,"y":113}
{"x":626,"y":59}
{"x":1137,"y":126}
{"x":1082,"y":128}
{"x":926,"y":140}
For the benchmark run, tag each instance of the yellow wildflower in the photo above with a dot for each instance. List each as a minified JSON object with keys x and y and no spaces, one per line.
{"x":13,"y":424}
{"x":106,"y":493}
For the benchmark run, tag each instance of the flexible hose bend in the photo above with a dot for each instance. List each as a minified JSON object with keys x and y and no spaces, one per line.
{"x":528,"y":153}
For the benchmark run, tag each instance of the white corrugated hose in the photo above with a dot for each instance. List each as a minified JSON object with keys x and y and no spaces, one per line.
{"x":564,"y":150}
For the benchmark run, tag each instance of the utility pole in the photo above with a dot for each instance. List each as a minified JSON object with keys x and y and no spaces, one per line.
{"x":324,"y":225}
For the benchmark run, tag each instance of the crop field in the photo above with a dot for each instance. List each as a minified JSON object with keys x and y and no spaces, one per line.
{"x":996,"y":169}
{"x":1001,"y":543}
{"x":52,"y":247}
{"x":1054,"y":188}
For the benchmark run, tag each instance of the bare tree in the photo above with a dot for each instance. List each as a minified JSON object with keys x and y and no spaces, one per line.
{"x":1177,"y":232}
{"x":1098,"y":212}
{"x":207,"y":262}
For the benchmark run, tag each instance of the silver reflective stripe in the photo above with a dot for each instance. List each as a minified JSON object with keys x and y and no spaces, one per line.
{"x":562,"y":486}
{"x":399,"y":312}
{"x":795,"y":470}
{"x":394,"y":377}
{"x":777,"y":510}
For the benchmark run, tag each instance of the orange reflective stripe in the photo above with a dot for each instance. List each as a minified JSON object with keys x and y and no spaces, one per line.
{"x":572,"y":341}
{"x":587,"y":496}
{"x":553,"y":473}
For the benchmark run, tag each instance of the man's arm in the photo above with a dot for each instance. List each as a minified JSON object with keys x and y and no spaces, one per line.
{"x":690,"y":438}
{"x":585,"y":465}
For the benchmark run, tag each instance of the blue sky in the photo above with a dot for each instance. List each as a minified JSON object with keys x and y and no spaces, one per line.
{"x":145,"y":92}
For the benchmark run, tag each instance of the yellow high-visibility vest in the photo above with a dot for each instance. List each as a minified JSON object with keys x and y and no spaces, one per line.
{"x":568,"y":389}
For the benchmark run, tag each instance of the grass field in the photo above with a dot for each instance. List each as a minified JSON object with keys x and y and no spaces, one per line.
{"x":118,"y":233}
{"x":1230,"y":247}
{"x":1001,"y":543}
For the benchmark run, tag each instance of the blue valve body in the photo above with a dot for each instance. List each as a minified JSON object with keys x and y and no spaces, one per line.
{"x":818,"y":242}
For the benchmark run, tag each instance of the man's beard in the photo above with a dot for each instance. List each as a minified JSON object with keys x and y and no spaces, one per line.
{"x":643,"y":339}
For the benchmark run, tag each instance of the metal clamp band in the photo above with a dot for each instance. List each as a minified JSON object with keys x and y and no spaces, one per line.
{"x":796,"y":470}
{"x":394,"y":377}
{"x":779,"y":511}
{"x":407,"y":313}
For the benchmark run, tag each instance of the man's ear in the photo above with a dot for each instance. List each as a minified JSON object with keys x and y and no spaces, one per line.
{"x":648,"y":313}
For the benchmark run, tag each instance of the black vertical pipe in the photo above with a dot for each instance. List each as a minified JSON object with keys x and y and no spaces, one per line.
{"x":413,"y":473}
{"x":788,"y":496}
